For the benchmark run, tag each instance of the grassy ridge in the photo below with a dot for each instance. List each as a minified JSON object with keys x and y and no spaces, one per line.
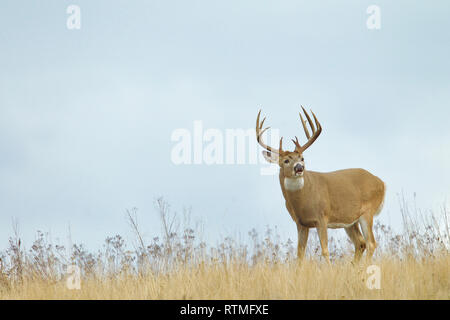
{"x":410,"y":279}
{"x":413,"y":264}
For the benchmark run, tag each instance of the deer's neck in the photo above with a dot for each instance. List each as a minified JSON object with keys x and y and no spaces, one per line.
{"x":293,"y":184}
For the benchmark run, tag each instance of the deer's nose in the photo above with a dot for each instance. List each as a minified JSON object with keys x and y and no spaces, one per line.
{"x":298,"y":167}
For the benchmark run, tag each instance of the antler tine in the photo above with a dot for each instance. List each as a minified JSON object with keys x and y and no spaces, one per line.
{"x":262,"y":123}
{"x":257,"y":120}
{"x":297,"y":144}
{"x":315,"y":134}
{"x":309,"y":120}
{"x":318,"y":125}
{"x":259,"y":134}
{"x":316,"y":130}
{"x":304,"y":126}
{"x":264,"y":130}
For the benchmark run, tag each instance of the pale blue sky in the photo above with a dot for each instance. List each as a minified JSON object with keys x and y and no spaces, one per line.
{"x":86,"y":115}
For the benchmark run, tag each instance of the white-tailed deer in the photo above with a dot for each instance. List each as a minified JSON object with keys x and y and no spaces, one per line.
{"x":338,"y":199}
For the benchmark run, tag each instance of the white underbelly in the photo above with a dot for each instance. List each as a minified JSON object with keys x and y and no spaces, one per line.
{"x":337,"y":225}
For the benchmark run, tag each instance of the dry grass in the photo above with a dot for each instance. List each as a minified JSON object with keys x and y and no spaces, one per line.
{"x":413,"y":265}
{"x":408,"y":279}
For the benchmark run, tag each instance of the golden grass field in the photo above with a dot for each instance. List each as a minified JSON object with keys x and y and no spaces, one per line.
{"x":410,"y":279}
{"x":413,"y":265}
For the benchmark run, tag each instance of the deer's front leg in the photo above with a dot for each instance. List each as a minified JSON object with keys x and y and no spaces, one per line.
{"x":302,"y":241}
{"x":323,"y":237}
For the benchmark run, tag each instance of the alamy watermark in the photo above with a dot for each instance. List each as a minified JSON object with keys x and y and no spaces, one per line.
{"x":73,"y":280}
{"x":220,"y":147}
{"x":74,"y":19}
{"x":374,"y":20}
{"x":374,"y":279}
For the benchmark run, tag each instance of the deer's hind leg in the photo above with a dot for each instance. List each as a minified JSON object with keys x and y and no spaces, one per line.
{"x":366,"y":222}
{"x":360,"y":244}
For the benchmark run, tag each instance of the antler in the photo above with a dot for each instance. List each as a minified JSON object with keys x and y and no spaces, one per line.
{"x":315,"y":131}
{"x":259,"y":133}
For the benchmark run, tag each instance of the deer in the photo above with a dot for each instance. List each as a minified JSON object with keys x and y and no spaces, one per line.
{"x":348,"y":198}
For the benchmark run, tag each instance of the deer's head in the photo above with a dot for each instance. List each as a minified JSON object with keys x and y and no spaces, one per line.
{"x":292,"y":163}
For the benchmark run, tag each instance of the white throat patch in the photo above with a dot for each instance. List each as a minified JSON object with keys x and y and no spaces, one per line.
{"x":294,"y":184}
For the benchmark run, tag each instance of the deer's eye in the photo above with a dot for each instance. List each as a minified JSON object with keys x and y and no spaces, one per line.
{"x":303,"y":159}
{"x":286,"y":161}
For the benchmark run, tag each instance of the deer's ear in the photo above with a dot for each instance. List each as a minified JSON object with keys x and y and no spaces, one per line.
{"x":270,"y":157}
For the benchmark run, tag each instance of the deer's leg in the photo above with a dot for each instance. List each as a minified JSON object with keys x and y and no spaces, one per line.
{"x":302,"y":240}
{"x":323,"y":237}
{"x":355,"y":235}
{"x":366,"y":222}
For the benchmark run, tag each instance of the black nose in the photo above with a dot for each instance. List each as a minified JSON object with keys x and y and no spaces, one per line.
{"x":298,"y":167}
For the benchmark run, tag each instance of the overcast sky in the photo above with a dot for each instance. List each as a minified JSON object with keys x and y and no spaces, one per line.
{"x":86,"y":116}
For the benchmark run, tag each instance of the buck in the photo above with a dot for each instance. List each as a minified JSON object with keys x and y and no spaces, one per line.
{"x":340,"y":199}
